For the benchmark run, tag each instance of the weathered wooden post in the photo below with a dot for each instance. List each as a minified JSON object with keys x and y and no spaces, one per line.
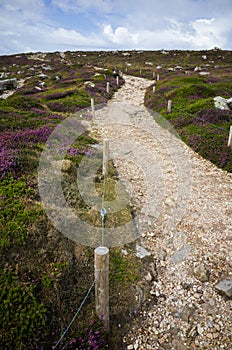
{"x":169,"y":106}
{"x":117,"y":80}
{"x":101,"y":264}
{"x":153,"y":74}
{"x":107,"y":87}
{"x":153,"y":89}
{"x":230,"y":137}
{"x":126,"y":69}
{"x":158,"y":77}
{"x":93,"y":107}
{"x":140,"y":72}
{"x":105,"y":156}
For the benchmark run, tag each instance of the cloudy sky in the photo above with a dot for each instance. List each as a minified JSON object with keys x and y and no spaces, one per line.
{"x":61,"y":25}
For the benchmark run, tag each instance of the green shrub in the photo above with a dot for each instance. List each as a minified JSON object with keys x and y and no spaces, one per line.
{"x":21,"y":314}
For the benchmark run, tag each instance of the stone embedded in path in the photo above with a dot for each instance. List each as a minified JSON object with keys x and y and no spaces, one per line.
{"x":181,"y":254}
{"x":201,"y":273}
{"x":224,"y":287}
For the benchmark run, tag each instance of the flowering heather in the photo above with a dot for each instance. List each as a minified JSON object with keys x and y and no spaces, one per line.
{"x":61,"y":94}
{"x":16,"y":138}
{"x":213,"y":116}
{"x":12,"y":143}
{"x":7,"y":161}
{"x":90,"y":339}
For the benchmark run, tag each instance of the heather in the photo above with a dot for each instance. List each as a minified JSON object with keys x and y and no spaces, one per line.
{"x":199,"y":123}
{"x":45,"y":276}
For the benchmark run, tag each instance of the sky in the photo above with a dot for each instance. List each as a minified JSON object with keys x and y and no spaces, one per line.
{"x":72,"y":25}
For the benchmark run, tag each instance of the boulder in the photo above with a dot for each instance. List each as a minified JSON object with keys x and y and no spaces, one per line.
{"x":222,"y":103}
{"x":8,"y":84}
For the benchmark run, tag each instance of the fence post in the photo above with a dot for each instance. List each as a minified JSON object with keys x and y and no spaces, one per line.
{"x":153,"y":89}
{"x":101,"y":265}
{"x":230,"y":137}
{"x":93,"y":108}
{"x":108,"y":87}
{"x":169,"y":106}
{"x":105,"y":156}
{"x":117,"y":80}
{"x":158,"y":77}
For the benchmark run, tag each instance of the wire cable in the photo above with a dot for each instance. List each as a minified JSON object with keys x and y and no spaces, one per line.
{"x":74,"y":317}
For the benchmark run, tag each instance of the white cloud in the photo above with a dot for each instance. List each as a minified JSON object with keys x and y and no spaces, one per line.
{"x":121,"y":36}
{"x":64,"y":37}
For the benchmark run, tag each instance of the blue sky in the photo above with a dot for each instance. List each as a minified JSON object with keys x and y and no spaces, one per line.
{"x":61,"y":25}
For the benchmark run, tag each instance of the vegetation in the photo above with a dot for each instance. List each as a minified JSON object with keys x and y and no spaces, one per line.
{"x":45,"y":276}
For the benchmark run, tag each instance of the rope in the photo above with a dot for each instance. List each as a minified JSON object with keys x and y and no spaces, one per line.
{"x":74,"y":317}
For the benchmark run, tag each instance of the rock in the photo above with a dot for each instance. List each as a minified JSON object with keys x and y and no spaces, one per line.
{"x":148,"y":277}
{"x":193,"y":332}
{"x":141,"y":252}
{"x":197,"y":69}
{"x":8,"y":84}
{"x":204,"y":73}
{"x":181,"y":254}
{"x":130,"y":347}
{"x":229,"y":103}
{"x":221,"y":103}
{"x":186,"y":313}
{"x":43,"y":76}
{"x":201,"y":273}
{"x":224,"y":287}
{"x":136,"y":345}
{"x":200,"y":330}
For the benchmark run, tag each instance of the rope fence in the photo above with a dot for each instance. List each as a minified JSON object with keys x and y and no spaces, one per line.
{"x":101,"y":263}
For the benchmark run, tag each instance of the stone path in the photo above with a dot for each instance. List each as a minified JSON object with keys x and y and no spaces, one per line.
{"x":184,"y":215}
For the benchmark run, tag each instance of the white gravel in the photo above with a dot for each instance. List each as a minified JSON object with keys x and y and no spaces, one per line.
{"x":184,"y":215}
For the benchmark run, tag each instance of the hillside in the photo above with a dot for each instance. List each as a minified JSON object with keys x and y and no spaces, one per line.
{"x":44,"y":275}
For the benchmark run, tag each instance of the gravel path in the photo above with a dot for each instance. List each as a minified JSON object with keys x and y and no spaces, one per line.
{"x":184,"y":217}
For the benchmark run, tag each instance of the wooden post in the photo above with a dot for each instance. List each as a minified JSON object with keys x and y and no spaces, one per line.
{"x":126,"y":69}
{"x":230,"y":137}
{"x":158,"y":77}
{"x":105,"y":156}
{"x":101,"y":265}
{"x":93,"y":107}
{"x":108,"y":87}
{"x":169,"y":106}
{"x":140,"y":72}
{"x":153,"y":89}
{"x":117,"y":80}
{"x":153,"y":74}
